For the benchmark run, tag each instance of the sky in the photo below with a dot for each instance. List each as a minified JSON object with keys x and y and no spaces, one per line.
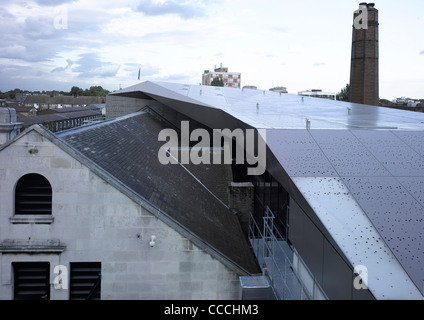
{"x":301,"y":45}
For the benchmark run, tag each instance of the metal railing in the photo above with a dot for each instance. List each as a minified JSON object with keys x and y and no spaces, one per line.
{"x":288,"y":274}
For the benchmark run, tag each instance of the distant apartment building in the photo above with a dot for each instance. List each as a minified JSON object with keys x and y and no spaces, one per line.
{"x":404,"y":101}
{"x":229,"y":79}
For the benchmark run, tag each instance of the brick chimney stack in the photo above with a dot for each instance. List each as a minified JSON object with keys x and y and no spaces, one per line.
{"x":364,"y":73}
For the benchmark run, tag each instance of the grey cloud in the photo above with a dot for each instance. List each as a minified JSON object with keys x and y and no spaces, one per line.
{"x":184,"y":9}
{"x":13,"y":51}
{"x":61,"y":69}
{"x":90,"y":65}
{"x":37,"y":38}
{"x":22,"y":77}
{"x":52,"y":2}
{"x":422,"y":52}
{"x":8,"y":23}
{"x":28,"y":51}
{"x":12,"y":78}
{"x":41,"y":28}
{"x":4,"y":14}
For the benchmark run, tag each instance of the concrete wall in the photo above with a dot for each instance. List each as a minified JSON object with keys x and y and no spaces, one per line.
{"x":118,"y":106}
{"x":97,"y":223}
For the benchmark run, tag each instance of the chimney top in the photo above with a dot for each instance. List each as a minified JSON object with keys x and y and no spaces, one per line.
{"x":368,"y":5}
{"x":8,"y":115}
{"x":9,"y":128}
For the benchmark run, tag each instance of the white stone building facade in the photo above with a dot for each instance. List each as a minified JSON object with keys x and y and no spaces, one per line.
{"x":92,"y":221}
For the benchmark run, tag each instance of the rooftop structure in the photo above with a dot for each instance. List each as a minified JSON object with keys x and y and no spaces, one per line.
{"x":337,"y":214}
{"x":352,"y":173}
{"x":318,"y":93}
{"x":279,"y":89}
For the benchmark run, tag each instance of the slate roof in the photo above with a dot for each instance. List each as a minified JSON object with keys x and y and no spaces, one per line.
{"x":356,"y":170}
{"x":95,"y":107}
{"x":68,"y":100}
{"x":30,"y":120}
{"x":127,"y":149}
{"x":22,"y":109}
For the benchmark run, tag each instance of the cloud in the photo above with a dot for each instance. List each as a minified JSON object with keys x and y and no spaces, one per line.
{"x":146,"y":70}
{"x":61,"y":69}
{"x":319,"y":64}
{"x":181,"y":78}
{"x":279,"y":29}
{"x":52,"y":2}
{"x":185,"y":9}
{"x":422,"y":52}
{"x":169,"y":37}
{"x":89,"y":65}
{"x":14,"y":51}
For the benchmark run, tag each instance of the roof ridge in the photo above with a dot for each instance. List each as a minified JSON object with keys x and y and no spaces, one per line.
{"x":98,"y":124}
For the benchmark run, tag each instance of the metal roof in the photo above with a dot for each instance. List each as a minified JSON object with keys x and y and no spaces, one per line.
{"x":272,"y":110}
{"x":357,"y":169}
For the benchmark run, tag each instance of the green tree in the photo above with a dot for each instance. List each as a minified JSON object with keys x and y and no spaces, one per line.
{"x":11,"y":94}
{"x":76,"y":91}
{"x":96,"y":91}
{"x":343,"y":95}
{"x":217,"y":82}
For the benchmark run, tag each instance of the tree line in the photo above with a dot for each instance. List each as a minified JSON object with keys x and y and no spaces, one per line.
{"x":93,"y":91}
{"x":75,"y":91}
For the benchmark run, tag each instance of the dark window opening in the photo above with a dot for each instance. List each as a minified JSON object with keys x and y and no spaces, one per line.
{"x":269,"y":193}
{"x":85,"y":281}
{"x":33,"y":195}
{"x":31,"y":280}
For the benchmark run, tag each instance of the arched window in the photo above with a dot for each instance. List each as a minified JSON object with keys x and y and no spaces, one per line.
{"x":33,"y":195}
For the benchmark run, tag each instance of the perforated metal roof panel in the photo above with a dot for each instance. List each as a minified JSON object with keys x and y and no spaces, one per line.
{"x":360,"y":168}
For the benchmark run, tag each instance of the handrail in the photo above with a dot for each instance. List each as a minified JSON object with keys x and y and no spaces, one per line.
{"x":303,"y":287}
{"x":273,"y":233}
